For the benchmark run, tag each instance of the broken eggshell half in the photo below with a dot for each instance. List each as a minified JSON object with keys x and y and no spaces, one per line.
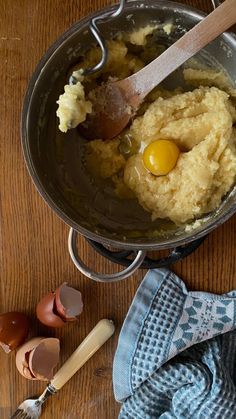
{"x":57,"y":308}
{"x":68,"y":302}
{"x":14,"y":328}
{"x":37,"y":358}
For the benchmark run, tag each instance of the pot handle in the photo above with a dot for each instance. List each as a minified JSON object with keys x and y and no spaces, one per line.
{"x":96,"y":276}
{"x":216,"y":3}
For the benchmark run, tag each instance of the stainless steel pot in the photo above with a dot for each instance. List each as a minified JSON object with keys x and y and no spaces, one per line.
{"x":54,"y":159}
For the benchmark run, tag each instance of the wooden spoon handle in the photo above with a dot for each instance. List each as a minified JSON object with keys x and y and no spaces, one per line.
{"x":193,"y":41}
{"x":96,"y":338}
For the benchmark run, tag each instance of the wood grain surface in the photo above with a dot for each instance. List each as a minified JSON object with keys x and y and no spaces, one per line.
{"x":33,"y":247}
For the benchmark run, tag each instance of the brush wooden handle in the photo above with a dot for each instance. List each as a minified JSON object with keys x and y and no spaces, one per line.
{"x":96,"y":338}
{"x":221,"y":19}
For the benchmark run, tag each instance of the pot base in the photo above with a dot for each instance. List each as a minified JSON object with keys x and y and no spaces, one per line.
{"x":121,"y":257}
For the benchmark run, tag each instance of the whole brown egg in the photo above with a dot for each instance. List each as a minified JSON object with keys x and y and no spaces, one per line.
{"x":14,"y":328}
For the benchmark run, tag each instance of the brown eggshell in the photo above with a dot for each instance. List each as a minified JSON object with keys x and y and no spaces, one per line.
{"x":37,"y":358}
{"x":44,"y":358}
{"x":22,"y":357}
{"x":69,"y":302}
{"x":46,"y":312}
{"x":14,"y":328}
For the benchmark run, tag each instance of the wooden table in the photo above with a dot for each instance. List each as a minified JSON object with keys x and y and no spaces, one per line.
{"x":34,"y":255}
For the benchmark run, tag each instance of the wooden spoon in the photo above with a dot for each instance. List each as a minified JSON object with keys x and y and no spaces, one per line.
{"x":114,"y":103}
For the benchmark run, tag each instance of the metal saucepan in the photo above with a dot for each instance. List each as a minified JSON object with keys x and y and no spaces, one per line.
{"x":54,"y":158}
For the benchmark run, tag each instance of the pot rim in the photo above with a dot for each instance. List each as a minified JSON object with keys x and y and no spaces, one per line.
{"x":98,"y":237}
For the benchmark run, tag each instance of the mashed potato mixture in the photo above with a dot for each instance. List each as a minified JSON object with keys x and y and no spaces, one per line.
{"x":200,"y":122}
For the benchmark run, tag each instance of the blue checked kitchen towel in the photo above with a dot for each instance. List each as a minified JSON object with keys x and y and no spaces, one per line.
{"x":176,"y":356}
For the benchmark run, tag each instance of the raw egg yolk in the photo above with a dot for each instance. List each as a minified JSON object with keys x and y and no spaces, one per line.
{"x":160,"y":157}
